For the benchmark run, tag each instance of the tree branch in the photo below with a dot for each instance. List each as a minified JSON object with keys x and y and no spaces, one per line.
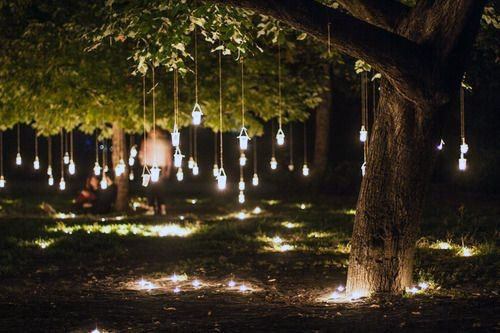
{"x":400,"y":60}
{"x":385,"y":14}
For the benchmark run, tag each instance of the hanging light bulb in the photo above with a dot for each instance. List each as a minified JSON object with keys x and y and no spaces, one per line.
{"x":155,"y":173}
{"x":120,"y":168}
{"x":215,"y":170}
{"x":176,"y":137}
{"x":105,"y":169}
{"x":243,"y":159}
{"x":178,"y":157}
{"x":273,"y":163}
{"x":462,"y":162}
{"x":363,"y":134}
{"x":305,"y":170}
{"x":221,"y":179}
{"x":36,"y":163}
{"x":49,"y":170}
{"x":280,"y":137}
{"x":180,"y":175}
{"x":241,"y":197}
{"x":441,"y":144}
{"x":464,"y":148}
{"x":2,"y":182}
{"x":131,"y":175}
{"x":241,"y":185}
{"x":19,"y":159}
{"x":146,"y":177}
{"x":51,"y":180}
{"x":243,"y":138}
{"x":191,"y":162}
{"x":62,"y":184}
{"x":97,"y":169}
{"x":255,"y":180}
{"x":196,"y":114}
{"x":104,"y":183}
{"x":196,"y":169}
{"x":66,"y":158}
{"x":133,"y":151}
{"x":363,"y":169}
{"x":71,"y":167}
{"x":291,"y":167}
{"x":131,"y":161}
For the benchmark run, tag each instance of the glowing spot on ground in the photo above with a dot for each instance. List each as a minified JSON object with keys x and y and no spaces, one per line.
{"x":319,"y":234}
{"x":291,"y":225}
{"x":466,"y":251}
{"x":95,"y":330}
{"x":339,"y":295}
{"x":271,"y":202}
{"x":441,"y":246}
{"x":275,"y":244}
{"x":231,"y":284}
{"x":178,"y":278}
{"x":64,"y":216}
{"x":243,"y":288}
{"x":420,"y":288}
{"x":196,"y":283}
{"x":146,"y":285}
{"x":177,"y":290}
{"x":242,"y":215}
{"x":257,"y":210}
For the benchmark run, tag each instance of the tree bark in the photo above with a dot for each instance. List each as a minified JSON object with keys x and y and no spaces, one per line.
{"x":121,"y":182}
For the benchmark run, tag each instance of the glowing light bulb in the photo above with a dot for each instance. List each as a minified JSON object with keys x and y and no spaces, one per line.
{"x":19,"y":159}
{"x":178,"y":157}
{"x":71,"y":167}
{"x":335,"y":295}
{"x":242,"y":216}
{"x":95,"y":330}
{"x":305,"y":170}
{"x":441,"y":144}
{"x":49,"y":170}
{"x":243,"y":138}
{"x":146,"y":177}
{"x":243,"y":288}
{"x":363,"y":134}
{"x":257,"y":210}
{"x":255,"y":180}
{"x":131,"y":161}
{"x":2,"y":182}
{"x":196,"y":114}
{"x":191,"y":162}
{"x":196,"y":283}
{"x":221,"y":179}
{"x":280,"y":137}
{"x":120,"y":168}
{"x":231,"y":284}
{"x":131,"y":175}
{"x":340,"y":288}
{"x":133,"y":151}
{"x":176,"y":137}
{"x":179,"y":175}
{"x":105,"y":169}
{"x":462,"y":163}
{"x":241,"y":185}
{"x":103,"y":183}
{"x":273,"y":163}
{"x":62,"y":184}
{"x":363,"y":169}
{"x":155,"y":173}
{"x":291,"y":167}
{"x":196,"y":169}
{"x":36,"y":163}
{"x":177,"y":290}
{"x":215,"y":170}
{"x":51,"y":180}
{"x":241,"y":197}
{"x":66,"y":158}
{"x":97,"y":169}
{"x":243,"y":159}
{"x":464,"y":148}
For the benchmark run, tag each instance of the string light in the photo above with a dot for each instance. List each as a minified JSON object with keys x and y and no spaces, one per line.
{"x":179,"y":175}
{"x":146,"y":176}
{"x":241,"y":197}
{"x":191,"y":158}
{"x":441,"y":145}
{"x":36,"y":162}
{"x":155,"y":169}
{"x":120,"y":167}
{"x":222,"y":177}
{"x":62,"y":183}
{"x":97,"y":167}
{"x":215,"y":170}
{"x":104,"y":183}
{"x":196,"y":168}
{"x":243,"y":136}
{"x":71,"y":165}
{"x":291,"y":166}
{"x":2,"y":178}
{"x":273,"y":163}
{"x":19,"y":159}
{"x":243,"y":159}
{"x":197,"y":112}
{"x":305,"y":167}
{"x":280,"y":135}
{"x":255,"y":178}
{"x":464,"y":147}
{"x":178,"y":158}
{"x":49,"y":167}
{"x":363,"y":133}
{"x":66,"y":153}
{"x":176,"y":135}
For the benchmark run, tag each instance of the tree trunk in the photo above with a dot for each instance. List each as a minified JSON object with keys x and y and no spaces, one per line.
{"x":322,"y":132}
{"x":121,"y":182}
{"x":389,"y":208}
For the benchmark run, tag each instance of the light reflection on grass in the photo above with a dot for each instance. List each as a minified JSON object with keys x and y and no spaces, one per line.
{"x":125,"y":229}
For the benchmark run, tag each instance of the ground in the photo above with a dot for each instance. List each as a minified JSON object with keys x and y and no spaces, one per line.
{"x":65,"y":273}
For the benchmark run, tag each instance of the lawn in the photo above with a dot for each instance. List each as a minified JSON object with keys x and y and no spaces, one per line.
{"x":209,"y":266}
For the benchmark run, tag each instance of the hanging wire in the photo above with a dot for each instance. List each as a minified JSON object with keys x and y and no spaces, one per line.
{"x":71,"y":149}
{"x":329,"y":40}
{"x":145,"y":141}
{"x":220,"y":110}
{"x":62,"y":153}
{"x":462,"y":113}
{"x":154,"y":117}
{"x":364,"y":109}
{"x":176,"y":97}
{"x":242,"y":93}
{"x":49,"y":150}
{"x":195,"y":32}
{"x":1,"y":153}
{"x":305,"y":142}
{"x":36,"y":143}
{"x":255,"y":155}
{"x":291,"y":143}
{"x":104,"y":156}
{"x":18,"y":138}
{"x":96,"y":147}
{"x":279,"y":85}
{"x":216,"y":147}
{"x":272,"y":140}
{"x":65,"y":137}
{"x":195,"y":145}
{"x":191,"y":141}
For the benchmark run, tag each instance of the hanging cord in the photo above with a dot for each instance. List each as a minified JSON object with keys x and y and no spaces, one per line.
{"x":279,"y":85}
{"x":242,"y":93}
{"x":96,"y":147}
{"x":154,"y":118}
{"x":49,"y":150}
{"x":305,"y":142}
{"x":291,"y":143}
{"x":216,"y":158}
{"x":272,"y":139}
{"x":329,"y":39}
{"x":62,"y":153}
{"x":195,"y":145}
{"x":176,"y":97}
{"x":195,"y":64}
{"x":255,"y":156}
{"x":71,"y":146}
{"x":36,"y":143}
{"x":145,"y":139}
{"x":191,"y":141}
{"x":220,"y":110}
{"x":364,"y":109}
{"x":18,"y":138}
{"x":1,"y":153}
{"x":462,"y":113}
{"x":66,"y":134}
{"x":104,"y":156}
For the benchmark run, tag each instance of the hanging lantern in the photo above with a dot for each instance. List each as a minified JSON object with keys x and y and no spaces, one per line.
{"x":104,"y":183}
{"x":243,"y":159}
{"x":305,"y":170}
{"x":2,"y":182}
{"x":19,"y":159}
{"x":255,"y":179}
{"x":131,"y":161}
{"x":105,"y":169}
{"x":363,"y":134}
{"x":120,"y":168}
{"x":464,"y":148}
{"x":243,"y":138}
{"x":191,"y":162}
{"x":51,"y":180}
{"x":241,"y":185}
{"x":462,"y":162}
{"x":178,"y":157}
{"x":441,"y":144}
{"x":273,"y":163}
{"x":97,"y":169}
{"x":133,"y":151}
{"x":196,"y":114}
{"x":131,"y":175}
{"x":155,"y":173}
{"x":62,"y":184}
{"x":49,"y":170}
{"x":363,"y":169}
{"x":176,"y":137}
{"x":71,"y":167}
{"x":146,"y":177}
{"x":215,"y":170}
{"x":241,"y":197}
{"x":180,"y":175}
{"x":221,"y":179}
{"x":66,"y":158}
{"x":196,"y":169}
{"x":36,"y":163}
{"x":280,"y":137}
{"x":291,"y":167}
